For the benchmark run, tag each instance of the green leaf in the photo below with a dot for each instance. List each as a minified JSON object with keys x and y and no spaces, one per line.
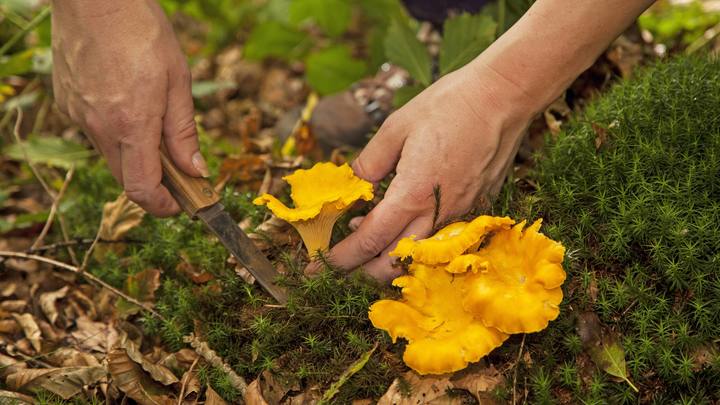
{"x":404,"y":49}
{"x":602,"y":346}
{"x":464,"y":37}
{"x":405,"y":94}
{"x":332,"y":16}
{"x":333,"y":69}
{"x":609,"y":355}
{"x":51,"y":151}
{"x":272,"y":38}
{"x":23,"y":221}
{"x":17,"y":64}
{"x":207,"y":87}
{"x":354,"y":368}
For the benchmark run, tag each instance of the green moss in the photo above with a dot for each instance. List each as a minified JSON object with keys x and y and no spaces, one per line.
{"x":640,"y":219}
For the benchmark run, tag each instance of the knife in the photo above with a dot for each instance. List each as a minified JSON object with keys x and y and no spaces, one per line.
{"x":198,"y":199}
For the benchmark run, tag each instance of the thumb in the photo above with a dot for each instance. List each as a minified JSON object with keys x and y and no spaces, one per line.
{"x":179,"y":130}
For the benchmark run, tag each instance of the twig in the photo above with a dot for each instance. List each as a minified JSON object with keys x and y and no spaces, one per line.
{"x":211,"y":357}
{"x":517,"y":363}
{"x":86,"y":275}
{"x":20,"y":34}
{"x":48,"y":190}
{"x":28,"y":89}
{"x":705,"y":39}
{"x":16,"y":133}
{"x":77,"y":242}
{"x":186,"y":380}
{"x":53,"y":209}
{"x":66,"y":239}
{"x":89,"y":252}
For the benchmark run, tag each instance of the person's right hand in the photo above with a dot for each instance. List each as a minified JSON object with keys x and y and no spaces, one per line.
{"x":120,"y":74}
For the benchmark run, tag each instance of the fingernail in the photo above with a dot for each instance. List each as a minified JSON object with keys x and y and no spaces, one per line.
{"x":199,"y":163}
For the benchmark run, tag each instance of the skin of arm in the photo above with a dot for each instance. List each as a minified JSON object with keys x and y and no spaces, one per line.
{"x":120,"y":74}
{"x":462,"y":132}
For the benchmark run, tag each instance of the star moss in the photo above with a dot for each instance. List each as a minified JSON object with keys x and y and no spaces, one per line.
{"x":632,"y":189}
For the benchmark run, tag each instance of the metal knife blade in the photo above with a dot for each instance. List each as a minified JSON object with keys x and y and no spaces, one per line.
{"x":198,"y":199}
{"x":240,"y":245}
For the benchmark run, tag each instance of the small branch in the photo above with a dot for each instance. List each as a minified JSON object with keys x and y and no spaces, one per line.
{"x":186,"y":380}
{"x":53,"y":209}
{"x":76,"y":242}
{"x":517,"y":363}
{"x":211,"y":357}
{"x":16,"y":133}
{"x":85,"y":275}
{"x":20,"y":34}
{"x":89,"y":252}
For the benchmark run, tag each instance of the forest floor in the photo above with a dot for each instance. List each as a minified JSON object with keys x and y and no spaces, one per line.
{"x":102,"y":303}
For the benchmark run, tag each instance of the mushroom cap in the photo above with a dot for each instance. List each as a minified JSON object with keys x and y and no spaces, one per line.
{"x":443,"y":337}
{"x":451,"y":241}
{"x":320,"y":195}
{"x":325,"y":184}
{"x":520,"y":291}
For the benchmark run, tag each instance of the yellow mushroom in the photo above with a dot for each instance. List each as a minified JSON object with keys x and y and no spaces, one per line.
{"x":320,"y":195}
{"x":451,"y":241}
{"x":442,"y":336}
{"x":519,"y":291}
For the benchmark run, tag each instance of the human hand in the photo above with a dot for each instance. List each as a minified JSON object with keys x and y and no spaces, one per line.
{"x":459,"y":136}
{"x":120,"y":74}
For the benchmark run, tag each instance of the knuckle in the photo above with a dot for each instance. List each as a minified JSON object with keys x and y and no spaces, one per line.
{"x":93,"y":123}
{"x":370,"y":245}
{"x":184,"y":74}
{"x":138,"y":195}
{"x":391,"y":124}
{"x":185,"y":130}
{"x":122,"y":118}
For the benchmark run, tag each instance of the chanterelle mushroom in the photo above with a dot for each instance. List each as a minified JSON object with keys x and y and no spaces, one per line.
{"x":443,"y":337}
{"x":320,"y":195}
{"x":451,"y":241}
{"x":519,"y":291}
{"x":461,"y":300}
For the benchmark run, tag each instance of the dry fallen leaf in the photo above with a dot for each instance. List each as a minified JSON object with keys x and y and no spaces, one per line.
{"x":478,"y":381}
{"x":8,"y":365}
{"x":424,"y":389}
{"x":601,"y":135}
{"x":9,"y":397}
{"x":158,"y":372}
{"x":253,"y":394}
{"x":118,"y":218}
{"x":9,"y":326}
{"x":13,"y":305}
{"x":96,"y":336}
{"x":213,"y":398}
{"x":65,"y":382}
{"x":70,"y":357}
{"x":273,"y":233}
{"x":31,"y":329}
{"x":130,"y":378}
{"x":142,"y":287}
{"x":47,"y":303}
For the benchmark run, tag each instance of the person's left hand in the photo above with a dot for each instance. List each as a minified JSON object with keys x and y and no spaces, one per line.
{"x":460,"y":135}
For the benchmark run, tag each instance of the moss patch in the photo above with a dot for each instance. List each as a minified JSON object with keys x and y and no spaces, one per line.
{"x":632,"y":188}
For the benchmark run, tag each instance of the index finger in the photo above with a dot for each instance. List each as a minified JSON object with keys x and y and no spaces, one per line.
{"x":376,"y":232}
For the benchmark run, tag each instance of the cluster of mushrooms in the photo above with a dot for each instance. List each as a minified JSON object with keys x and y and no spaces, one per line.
{"x":468,"y":287}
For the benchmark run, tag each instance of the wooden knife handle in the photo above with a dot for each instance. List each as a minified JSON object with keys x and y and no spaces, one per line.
{"x":191,"y":193}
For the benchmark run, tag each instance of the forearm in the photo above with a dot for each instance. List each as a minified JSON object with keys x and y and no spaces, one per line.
{"x":554,"y":42}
